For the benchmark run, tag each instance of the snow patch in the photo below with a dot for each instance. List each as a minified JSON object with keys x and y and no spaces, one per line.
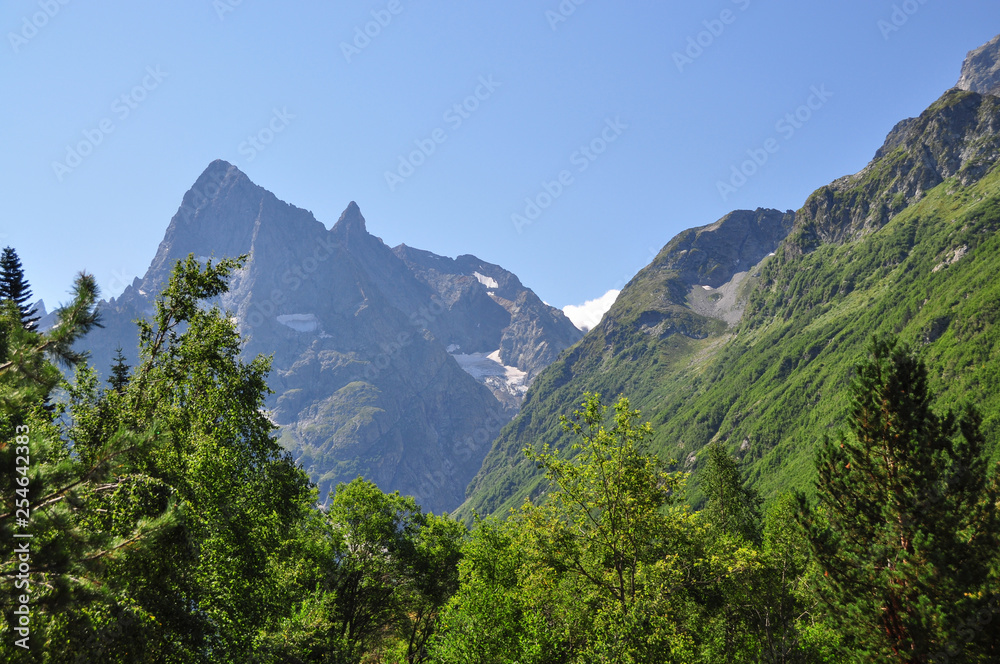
{"x":452,"y":348}
{"x":300,"y":322}
{"x":489,"y":282}
{"x":479,"y":365}
{"x":514,"y":375}
{"x":587,"y":315}
{"x":482,"y":366}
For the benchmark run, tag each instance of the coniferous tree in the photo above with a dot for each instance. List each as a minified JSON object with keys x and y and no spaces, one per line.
{"x":47,"y":494}
{"x":732,"y":507}
{"x":906,"y":529}
{"x":160,"y":515}
{"x":14,"y":287}
{"x":119,"y":371}
{"x":732,"y":513}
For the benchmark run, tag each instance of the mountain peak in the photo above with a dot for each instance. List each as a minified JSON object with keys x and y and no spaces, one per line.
{"x":981,"y":69}
{"x":215,"y":173}
{"x":351,"y":221}
{"x":225,"y":214}
{"x":219,"y":164}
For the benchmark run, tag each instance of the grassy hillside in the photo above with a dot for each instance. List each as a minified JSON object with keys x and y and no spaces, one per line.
{"x":908,"y":246}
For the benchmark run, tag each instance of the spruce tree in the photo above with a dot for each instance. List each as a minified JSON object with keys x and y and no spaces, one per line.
{"x":732,"y":508}
{"x":906,"y":530}
{"x":119,"y":371}
{"x":14,"y":287}
{"x":47,"y":496}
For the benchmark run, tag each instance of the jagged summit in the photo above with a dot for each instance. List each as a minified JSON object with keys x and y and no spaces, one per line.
{"x":351,"y":222}
{"x":225,"y":214}
{"x":380,"y":368}
{"x":981,"y":69}
{"x":219,"y":177}
{"x":219,"y":167}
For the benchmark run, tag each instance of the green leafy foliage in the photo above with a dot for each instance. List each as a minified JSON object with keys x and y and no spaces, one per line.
{"x":50,"y":494}
{"x":610,"y":566}
{"x":157,"y":506}
{"x":372,"y":575}
{"x":168,"y":526}
{"x":898,"y":560}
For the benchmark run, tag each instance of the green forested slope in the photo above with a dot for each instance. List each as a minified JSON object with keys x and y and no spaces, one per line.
{"x":906,"y":246}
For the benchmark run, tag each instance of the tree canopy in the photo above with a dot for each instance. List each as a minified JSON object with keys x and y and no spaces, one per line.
{"x":155,"y":518}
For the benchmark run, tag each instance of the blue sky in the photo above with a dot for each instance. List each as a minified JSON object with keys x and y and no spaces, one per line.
{"x":616,"y":120}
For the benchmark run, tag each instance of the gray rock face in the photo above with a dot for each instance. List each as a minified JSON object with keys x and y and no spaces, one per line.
{"x":957,"y":137}
{"x":488,"y":309}
{"x":691,"y":288}
{"x":711,"y":255}
{"x":371,"y":347}
{"x":981,"y":69}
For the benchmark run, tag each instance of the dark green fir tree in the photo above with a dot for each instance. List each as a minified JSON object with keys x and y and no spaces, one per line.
{"x":14,"y":287}
{"x":906,"y":530}
{"x":731,"y":507}
{"x":119,"y":371}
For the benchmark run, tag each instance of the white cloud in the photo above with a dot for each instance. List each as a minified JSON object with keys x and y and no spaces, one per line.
{"x":585,"y":316}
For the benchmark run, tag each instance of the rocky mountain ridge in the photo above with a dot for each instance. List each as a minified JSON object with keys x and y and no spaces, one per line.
{"x":371,"y":346}
{"x":981,"y":69}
